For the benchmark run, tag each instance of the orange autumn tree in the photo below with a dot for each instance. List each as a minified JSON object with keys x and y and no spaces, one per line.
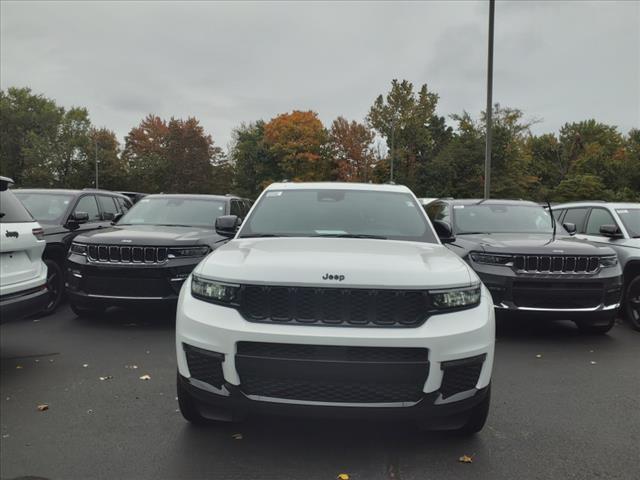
{"x":351,"y":148}
{"x":297,"y":140}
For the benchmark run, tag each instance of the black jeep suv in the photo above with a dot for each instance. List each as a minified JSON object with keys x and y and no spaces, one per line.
{"x":63,"y":214}
{"x":144,"y":258}
{"x":530,"y":264}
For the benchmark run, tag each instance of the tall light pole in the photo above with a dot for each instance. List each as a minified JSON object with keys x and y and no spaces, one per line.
{"x":393,"y":147}
{"x":489,"y":111}
{"x":96,"y":143}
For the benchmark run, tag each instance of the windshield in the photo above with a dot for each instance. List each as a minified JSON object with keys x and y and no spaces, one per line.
{"x":631,"y":219}
{"x":45,"y":207}
{"x":175,"y":211}
{"x":338,"y":213}
{"x":502,"y":219}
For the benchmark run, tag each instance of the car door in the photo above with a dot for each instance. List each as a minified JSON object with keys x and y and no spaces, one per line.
{"x":598,"y":216}
{"x":108,"y":208}
{"x":89,"y":205}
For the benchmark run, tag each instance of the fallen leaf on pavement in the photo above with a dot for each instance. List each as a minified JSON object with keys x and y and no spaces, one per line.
{"x":85,"y":365}
{"x":51,"y":360}
{"x":593,"y":363}
{"x":465,"y":459}
{"x":343,"y":476}
{"x":6,"y":435}
{"x":538,"y":356}
{"x":43,"y":407}
{"x":89,"y":411}
{"x":108,"y":377}
{"x":145,"y":377}
{"x":132,"y":367}
{"x":237,"y":436}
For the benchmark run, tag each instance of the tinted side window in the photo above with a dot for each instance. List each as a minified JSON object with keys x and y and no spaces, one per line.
{"x":88,"y":204}
{"x":12,"y":210}
{"x":108,"y":206}
{"x":124,"y":205}
{"x":235,"y":209}
{"x":597,"y":218}
{"x":576,"y":216}
{"x":439,"y":211}
{"x":557,"y":214}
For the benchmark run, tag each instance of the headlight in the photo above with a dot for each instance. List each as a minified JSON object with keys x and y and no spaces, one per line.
{"x":212,"y":291}
{"x":608,"y":261}
{"x":78,"y":248}
{"x":491,"y":258}
{"x":455,"y":298}
{"x":187,"y":252}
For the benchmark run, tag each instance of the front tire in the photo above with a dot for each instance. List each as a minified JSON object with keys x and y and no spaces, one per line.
{"x":187,"y":405}
{"x":599,"y":326}
{"x":478,"y":416}
{"x":632,"y":303}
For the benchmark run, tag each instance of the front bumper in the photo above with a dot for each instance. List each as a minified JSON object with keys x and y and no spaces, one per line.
{"x":554,"y":296}
{"x":23,"y":304}
{"x":217,"y":332}
{"x":93,"y":284}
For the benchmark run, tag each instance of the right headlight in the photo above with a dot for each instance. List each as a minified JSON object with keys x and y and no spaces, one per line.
{"x":213,"y":291}
{"x":608,"y":261}
{"x":455,"y":298}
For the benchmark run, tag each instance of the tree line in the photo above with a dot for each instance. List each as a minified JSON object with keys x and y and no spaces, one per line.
{"x":43,"y":144}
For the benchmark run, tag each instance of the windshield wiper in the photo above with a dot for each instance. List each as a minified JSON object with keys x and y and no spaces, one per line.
{"x":349,"y":235}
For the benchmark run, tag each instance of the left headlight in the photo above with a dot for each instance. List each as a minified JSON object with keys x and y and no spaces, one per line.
{"x":78,"y":248}
{"x":188,"y":252}
{"x":491,"y":258}
{"x":455,"y":298}
{"x":212,"y":291}
{"x":608,"y":261}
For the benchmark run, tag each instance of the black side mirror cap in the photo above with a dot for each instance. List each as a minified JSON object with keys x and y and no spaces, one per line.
{"x":76,"y":219}
{"x":570,"y":227}
{"x":444,"y":231}
{"x":116,"y":218}
{"x":227,"y":225}
{"x":611,"y":231}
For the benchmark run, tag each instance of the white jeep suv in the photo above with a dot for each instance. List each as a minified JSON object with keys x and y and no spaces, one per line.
{"x":335,"y":299}
{"x":23,"y":274}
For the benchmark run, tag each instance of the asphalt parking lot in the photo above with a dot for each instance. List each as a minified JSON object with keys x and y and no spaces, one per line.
{"x":565,"y":405}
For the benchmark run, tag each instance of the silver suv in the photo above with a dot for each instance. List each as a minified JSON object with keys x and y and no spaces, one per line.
{"x":616,"y":225}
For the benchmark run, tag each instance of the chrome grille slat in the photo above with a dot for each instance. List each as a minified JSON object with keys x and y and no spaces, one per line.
{"x":127,"y":254}
{"x":556,"y":264}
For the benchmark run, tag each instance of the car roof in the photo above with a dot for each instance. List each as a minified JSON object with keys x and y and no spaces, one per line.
{"x":67,"y":191}
{"x":193,"y":196}
{"x":490,"y":201}
{"x":338,"y":186}
{"x":598,"y":204}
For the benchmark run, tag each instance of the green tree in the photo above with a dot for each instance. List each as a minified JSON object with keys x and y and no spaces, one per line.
{"x":254,"y":166}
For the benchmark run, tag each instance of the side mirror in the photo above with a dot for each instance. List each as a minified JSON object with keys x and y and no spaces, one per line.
{"x":76,"y":219}
{"x":611,"y":231}
{"x":570,"y":227}
{"x":227,"y":225}
{"x":444,"y":231}
{"x":116,"y":217}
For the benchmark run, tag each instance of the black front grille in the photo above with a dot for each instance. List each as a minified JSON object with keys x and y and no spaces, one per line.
{"x":556,"y":264}
{"x":560,"y":295}
{"x":334,"y":306}
{"x":126,"y":286}
{"x":127,"y":254}
{"x":337,"y":374}
{"x":205,"y":365}
{"x":460,"y":375}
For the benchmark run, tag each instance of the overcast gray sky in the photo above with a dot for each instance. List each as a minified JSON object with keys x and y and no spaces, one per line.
{"x":228,"y":63}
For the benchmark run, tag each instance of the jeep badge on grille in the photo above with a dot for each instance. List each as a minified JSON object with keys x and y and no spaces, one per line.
{"x":328,"y":276}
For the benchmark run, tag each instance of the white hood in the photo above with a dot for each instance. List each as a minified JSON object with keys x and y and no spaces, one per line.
{"x":362,"y":263}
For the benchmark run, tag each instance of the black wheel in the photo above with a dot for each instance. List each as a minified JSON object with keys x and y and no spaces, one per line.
{"x":55,"y":285}
{"x":187,"y":405}
{"x":86,"y":311}
{"x":478,"y":416}
{"x":598,"y":326}
{"x":631,"y":303}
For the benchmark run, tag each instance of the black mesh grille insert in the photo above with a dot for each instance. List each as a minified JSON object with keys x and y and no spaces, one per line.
{"x":334,"y":306}
{"x":204,"y":365}
{"x":555,"y":264}
{"x":127,"y":254}
{"x":557,"y":294}
{"x":460,"y":375}
{"x":337,"y":374}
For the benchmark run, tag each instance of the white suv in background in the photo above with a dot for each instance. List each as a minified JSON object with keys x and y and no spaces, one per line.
{"x":616,"y":225}
{"x":23,"y":274}
{"x":335,"y":299}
